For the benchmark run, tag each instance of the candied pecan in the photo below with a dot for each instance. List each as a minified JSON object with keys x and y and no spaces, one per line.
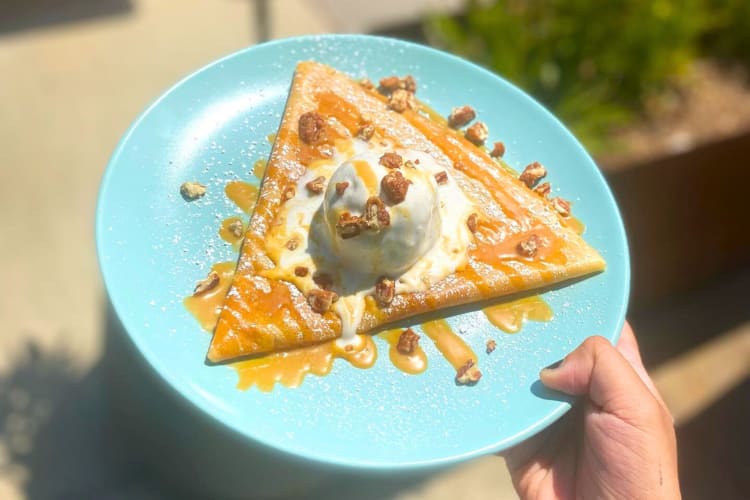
{"x":472,"y":222}
{"x":323,"y":280}
{"x":562,"y":206}
{"x":236,"y":228}
{"x":543,"y":189}
{"x":341,"y":187}
{"x":528,"y":247}
{"x":192,"y":190}
{"x":289,"y":193}
{"x":311,"y":127}
{"x":292,"y":244}
{"x":407,"y":342}
{"x":491,"y":346}
{"x":390,"y":83}
{"x":441,"y":177}
{"x":385,"y":290}
{"x":498,"y":150}
{"x":348,"y":225}
{"x":321,"y":300}
{"x":366,"y":131}
{"x":376,"y":216}
{"x":207,"y":284}
{"x":395,"y":186}
{"x":468,"y":374}
{"x":533,"y":173}
{"x":460,"y":116}
{"x":300,"y":271}
{"x":391,"y":160}
{"x":409,"y":84}
{"x":401,"y":100}
{"x":317,"y":185}
{"x":367,"y":83}
{"x":477,"y":133}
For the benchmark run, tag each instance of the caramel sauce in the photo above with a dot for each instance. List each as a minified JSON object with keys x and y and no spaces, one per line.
{"x":242,"y":194}
{"x":227,"y":235}
{"x":205,"y":308}
{"x":365,"y":173}
{"x":290,"y":367}
{"x":259,"y":168}
{"x":330,"y":104}
{"x":453,"y":347}
{"x":510,"y":316}
{"x":574,"y":224}
{"x":494,"y":250}
{"x":271,"y":138}
{"x":413,"y":363}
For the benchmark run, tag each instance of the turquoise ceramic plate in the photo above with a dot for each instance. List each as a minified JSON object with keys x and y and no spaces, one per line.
{"x":211,"y":127}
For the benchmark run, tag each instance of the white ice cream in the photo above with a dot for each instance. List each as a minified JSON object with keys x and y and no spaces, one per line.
{"x":415,"y":222}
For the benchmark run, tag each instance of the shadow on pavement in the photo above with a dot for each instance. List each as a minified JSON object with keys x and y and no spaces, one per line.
{"x":19,"y":15}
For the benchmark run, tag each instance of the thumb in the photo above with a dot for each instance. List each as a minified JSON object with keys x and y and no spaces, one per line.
{"x":597,"y":369}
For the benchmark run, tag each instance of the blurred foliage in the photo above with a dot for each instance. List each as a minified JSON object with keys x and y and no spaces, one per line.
{"x":593,"y":63}
{"x":727,"y":33}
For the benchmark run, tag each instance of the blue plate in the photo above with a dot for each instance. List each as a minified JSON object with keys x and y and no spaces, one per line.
{"x":211,"y":127}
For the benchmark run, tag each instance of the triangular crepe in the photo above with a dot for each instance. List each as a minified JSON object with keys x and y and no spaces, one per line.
{"x":282,"y":296}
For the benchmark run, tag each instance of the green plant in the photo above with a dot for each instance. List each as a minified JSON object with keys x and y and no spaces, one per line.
{"x":593,"y":63}
{"x":727,"y":33}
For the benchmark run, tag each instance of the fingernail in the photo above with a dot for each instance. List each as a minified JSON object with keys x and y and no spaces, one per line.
{"x":553,"y":366}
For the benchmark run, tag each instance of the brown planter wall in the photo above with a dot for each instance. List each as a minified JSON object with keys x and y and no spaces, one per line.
{"x":687,"y":217}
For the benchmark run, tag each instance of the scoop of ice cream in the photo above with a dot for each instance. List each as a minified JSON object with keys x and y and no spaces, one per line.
{"x":364,"y":239}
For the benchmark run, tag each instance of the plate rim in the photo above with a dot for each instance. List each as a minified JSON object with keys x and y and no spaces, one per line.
{"x":167,"y":378}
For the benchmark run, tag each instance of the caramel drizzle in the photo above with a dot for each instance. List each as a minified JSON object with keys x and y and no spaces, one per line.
{"x":510,"y":316}
{"x":413,"y":363}
{"x":243,"y":195}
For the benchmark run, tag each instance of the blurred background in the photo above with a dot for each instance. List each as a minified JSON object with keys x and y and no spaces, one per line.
{"x":657,"y":90}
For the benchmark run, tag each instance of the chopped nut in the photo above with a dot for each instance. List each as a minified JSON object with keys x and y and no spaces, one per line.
{"x":207,"y":284}
{"x":391,"y":160}
{"x":472,"y":222}
{"x":491,"y":346}
{"x":376,"y":216}
{"x":385,"y":290}
{"x":349,"y":226}
{"x":401,"y":100}
{"x":562,"y":206}
{"x":477,"y":133}
{"x":409,"y":84}
{"x":292,"y":244}
{"x":468,"y":374}
{"x":529,"y":247}
{"x":301,"y":271}
{"x":367,"y":83}
{"x":543,"y":189}
{"x":441,"y":177}
{"x":236,"y":228}
{"x":395,"y":186}
{"x":192,"y":190}
{"x":321,"y":300}
{"x":341,"y":187}
{"x":460,"y":116}
{"x":317,"y":185}
{"x":498,"y":150}
{"x":311,"y":127}
{"x":289,"y":193}
{"x":389,"y":84}
{"x":323,"y":280}
{"x":407,"y":342}
{"x":533,"y":173}
{"x":366,"y":131}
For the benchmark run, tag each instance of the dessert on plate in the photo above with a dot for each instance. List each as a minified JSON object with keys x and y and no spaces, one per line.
{"x":371,"y":211}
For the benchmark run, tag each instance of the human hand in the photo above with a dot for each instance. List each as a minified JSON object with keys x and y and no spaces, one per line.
{"x":618,"y":441}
